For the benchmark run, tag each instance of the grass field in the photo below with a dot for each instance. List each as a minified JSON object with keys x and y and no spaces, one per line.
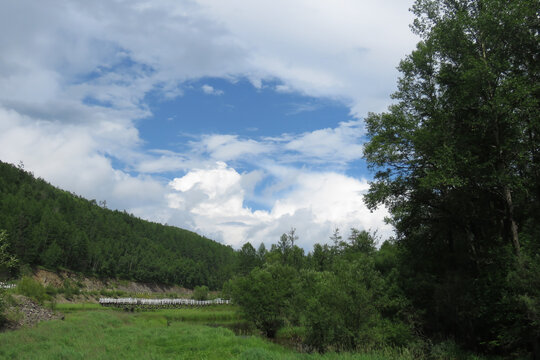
{"x":161,"y":334}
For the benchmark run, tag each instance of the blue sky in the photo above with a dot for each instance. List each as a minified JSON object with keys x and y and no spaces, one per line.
{"x":237,"y":120}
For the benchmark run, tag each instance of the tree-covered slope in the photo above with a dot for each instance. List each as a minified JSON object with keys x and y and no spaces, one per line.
{"x":54,"y":228}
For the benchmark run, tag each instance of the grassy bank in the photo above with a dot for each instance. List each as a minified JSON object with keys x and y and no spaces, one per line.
{"x":149,"y":335}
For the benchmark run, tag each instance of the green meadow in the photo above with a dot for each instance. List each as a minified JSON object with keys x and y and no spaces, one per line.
{"x":88,"y":332}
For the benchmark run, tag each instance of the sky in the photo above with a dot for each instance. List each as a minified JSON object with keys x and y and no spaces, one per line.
{"x":237,"y":119}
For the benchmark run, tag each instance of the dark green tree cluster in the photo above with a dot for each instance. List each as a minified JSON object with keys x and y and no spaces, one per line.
{"x":56,"y":229}
{"x":7,"y":262}
{"x":458,"y":165}
{"x":343,"y":295}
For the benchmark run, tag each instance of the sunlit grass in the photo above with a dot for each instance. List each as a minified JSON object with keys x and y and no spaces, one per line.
{"x":161,"y":334}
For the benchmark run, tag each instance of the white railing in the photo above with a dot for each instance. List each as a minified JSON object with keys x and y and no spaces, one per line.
{"x":7,"y":286}
{"x":160,"y":302}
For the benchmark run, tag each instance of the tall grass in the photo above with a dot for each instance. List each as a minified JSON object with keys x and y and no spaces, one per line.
{"x":152,"y":335}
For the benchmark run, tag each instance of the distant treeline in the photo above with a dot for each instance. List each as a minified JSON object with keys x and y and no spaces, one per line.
{"x":57,"y":229}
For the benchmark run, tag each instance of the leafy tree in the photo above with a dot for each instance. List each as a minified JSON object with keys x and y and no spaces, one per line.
{"x":247,"y":259}
{"x":261,"y":253}
{"x":200,"y":292}
{"x":53,"y":256}
{"x":345,"y":305}
{"x":457,"y":165}
{"x":361,"y":241}
{"x":8,"y":261}
{"x":321,"y":257}
{"x":265,"y":296}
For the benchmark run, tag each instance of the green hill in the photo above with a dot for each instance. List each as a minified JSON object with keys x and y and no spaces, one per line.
{"x":57,"y":229}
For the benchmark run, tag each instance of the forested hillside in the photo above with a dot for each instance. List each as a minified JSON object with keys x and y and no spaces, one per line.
{"x":54,"y":228}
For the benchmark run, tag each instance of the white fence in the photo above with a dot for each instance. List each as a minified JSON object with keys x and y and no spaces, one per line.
{"x":160,"y":302}
{"x":6,"y":286}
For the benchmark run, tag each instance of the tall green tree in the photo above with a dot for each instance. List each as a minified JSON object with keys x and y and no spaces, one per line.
{"x":247,"y":259}
{"x":8,"y":261}
{"x":457,"y":165}
{"x":265,"y":296}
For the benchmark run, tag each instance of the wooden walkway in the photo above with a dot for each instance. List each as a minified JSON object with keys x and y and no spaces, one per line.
{"x":138,"y":303}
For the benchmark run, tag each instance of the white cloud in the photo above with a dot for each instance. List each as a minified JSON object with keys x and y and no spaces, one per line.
{"x":210,"y":90}
{"x":316,"y":204}
{"x":230,"y":147}
{"x":345,"y":49}
{"x":336,"y":145}
{"x":75,"y":159}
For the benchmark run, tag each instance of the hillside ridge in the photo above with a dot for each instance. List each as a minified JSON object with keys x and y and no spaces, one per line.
{"x":57,"y":229}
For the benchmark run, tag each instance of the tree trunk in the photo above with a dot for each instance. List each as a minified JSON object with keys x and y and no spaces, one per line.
{"x":510,"y":214}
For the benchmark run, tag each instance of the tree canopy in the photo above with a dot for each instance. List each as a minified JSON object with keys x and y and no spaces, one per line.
{"x":457,"y":163}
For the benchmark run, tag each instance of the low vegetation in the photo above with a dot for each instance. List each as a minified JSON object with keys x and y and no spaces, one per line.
{"x":152,"y":335}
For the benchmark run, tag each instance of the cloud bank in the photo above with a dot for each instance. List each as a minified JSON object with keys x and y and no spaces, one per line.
{"x":74,"y":83}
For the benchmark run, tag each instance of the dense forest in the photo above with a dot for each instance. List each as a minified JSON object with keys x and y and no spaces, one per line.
{"x":457,"y":163}
{"x":56,"y":229}
{"x":340,"y":296}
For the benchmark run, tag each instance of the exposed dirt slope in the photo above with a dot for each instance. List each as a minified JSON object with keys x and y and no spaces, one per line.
{"x":46,"y":277}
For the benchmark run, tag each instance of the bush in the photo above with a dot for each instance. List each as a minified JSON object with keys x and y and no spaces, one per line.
{"x":33,"y":289}
{"x":51,"y":290}
{"x":2,"y":307}
{"x":70,"y":289}
{"x":200,"y":293}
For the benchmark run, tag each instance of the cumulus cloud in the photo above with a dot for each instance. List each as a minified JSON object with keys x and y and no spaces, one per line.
{"x":315,"y":204}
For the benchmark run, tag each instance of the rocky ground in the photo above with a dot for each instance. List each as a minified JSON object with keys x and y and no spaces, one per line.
{"x":26,"y":312}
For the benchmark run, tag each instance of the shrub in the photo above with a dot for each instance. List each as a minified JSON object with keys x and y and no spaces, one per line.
{"x":33,"y":289}
{"x":2,"y":306}
{"x":51,"y":290}
{"x":200,"y":293}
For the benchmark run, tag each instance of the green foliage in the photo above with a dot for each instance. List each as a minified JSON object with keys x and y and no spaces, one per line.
{"x":344,"y":309}
{"x":33,"y":289}
{"x":69,"y":289}
{"x":264,"y":296}
{"x":343,"y":297}
{"x":248,"y":259}
{"x":7,"y":263}
{"x":7,"y":260}
{"x":56,"y":229}
{"x":200,"y":293}
{"x":457,"y":161}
